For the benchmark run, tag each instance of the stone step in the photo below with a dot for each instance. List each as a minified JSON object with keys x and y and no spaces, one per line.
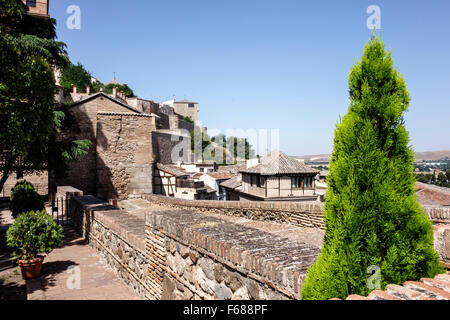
{"x":382,"y":295}
{"x":428,"y":290}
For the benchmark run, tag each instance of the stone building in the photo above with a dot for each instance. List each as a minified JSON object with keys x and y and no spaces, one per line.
{"x":277,"y":178}
{"x":184,"y":108}
{"x":119,"y":162}
{"x":213,"y":180}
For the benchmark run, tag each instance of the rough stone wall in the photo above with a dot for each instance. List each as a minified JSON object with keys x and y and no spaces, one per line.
{"x":209,"y":258}
{"x":442,"y":242}
{"x":124,"y":155}
{"x":309,"y":215}
{"x":163,"y":147}
{"x":80,"y":124}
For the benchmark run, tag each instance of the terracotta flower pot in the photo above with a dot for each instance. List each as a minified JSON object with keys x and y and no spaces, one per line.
{"x":31,"y":269}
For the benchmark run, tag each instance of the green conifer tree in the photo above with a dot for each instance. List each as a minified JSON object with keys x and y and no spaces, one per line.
{"x":371,"y":213}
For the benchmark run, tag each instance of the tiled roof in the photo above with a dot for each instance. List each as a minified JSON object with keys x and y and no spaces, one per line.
{"x":279,"y":163}
{"x":234,"y":168}
{"x":173,"y":170}
{"x":232,"y":183}
{"x":220,"y":175}
{"x":197,"y":175}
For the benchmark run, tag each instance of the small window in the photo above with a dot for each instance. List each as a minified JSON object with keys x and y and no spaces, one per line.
{"x":31,"y":3}
{"x":191,"y":105}
{"x":202,"y":170}
{"x":297,"y":182}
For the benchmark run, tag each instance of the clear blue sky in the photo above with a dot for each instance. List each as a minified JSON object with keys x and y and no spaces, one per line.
{"x":266,"y":64}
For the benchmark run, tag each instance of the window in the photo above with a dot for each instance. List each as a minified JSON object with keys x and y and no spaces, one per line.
{"x":298,"y":182}
{"x":261,"y":181}
{"x":191,"y":105}
{"x":31,"y":3}
{"x":202,"y":169}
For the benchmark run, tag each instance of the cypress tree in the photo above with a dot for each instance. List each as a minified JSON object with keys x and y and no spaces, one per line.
{"x":371,"y":213}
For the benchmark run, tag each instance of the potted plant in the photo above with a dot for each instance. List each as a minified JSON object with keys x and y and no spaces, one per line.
{"x":32,"y":234}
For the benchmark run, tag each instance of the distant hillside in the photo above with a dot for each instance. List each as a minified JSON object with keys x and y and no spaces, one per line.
{"x":429,"y":155}
{"x":433,"y":155}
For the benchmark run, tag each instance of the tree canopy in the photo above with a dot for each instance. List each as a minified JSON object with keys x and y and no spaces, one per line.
{"x":27,"y":88}
{"x":75,"y":75}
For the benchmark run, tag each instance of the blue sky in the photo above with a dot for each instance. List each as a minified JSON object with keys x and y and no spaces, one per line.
{"x":266,"y":64}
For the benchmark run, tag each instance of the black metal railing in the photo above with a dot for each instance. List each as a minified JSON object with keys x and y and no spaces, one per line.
{"x":60,"y":211}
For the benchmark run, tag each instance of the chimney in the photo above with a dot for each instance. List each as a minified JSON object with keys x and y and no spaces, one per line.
{"x":114,"y":92}
{"x":88,"y":90}
{"x":74,"y":89}
{"x":101,"y":89}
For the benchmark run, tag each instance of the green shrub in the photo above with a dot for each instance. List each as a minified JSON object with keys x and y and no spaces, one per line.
{"x":371,"y":213}
{"x":24,"y":198}
{"x":34,"y":233}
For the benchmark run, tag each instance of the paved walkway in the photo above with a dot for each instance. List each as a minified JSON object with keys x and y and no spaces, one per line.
{"x":77,"y":272}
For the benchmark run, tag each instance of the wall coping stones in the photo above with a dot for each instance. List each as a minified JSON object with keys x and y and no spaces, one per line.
{"x":128,"y":114}
{"x":262,"y":205}
{"x":130,"y":227}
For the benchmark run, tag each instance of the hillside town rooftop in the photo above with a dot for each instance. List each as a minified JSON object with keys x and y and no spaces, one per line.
{"x":276,"y":163}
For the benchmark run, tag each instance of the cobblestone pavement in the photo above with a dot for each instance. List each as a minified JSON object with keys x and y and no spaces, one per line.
{"x":75,"y":261}
{"x":311,"y":236}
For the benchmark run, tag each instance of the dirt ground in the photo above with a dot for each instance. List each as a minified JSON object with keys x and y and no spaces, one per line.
{"x":12,"y":286}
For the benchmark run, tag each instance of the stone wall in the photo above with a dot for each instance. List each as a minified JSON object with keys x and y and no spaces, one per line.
{"x":209,"y":258}
{"x":39,"y":180}
{"x":309,"y":215}
{"x":119,"y":162}
{"x":165,"y":143}
{"x":180,"y":254}
{"x":124,"y":155}
{"x":185,"y":254}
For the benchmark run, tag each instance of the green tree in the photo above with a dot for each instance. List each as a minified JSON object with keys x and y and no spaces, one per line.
{"x":120,"y":87}
{"x":27,"y":87}
{"x":75,"y":75}
{"x":199,"y":137}
{"x":371,"y":214}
